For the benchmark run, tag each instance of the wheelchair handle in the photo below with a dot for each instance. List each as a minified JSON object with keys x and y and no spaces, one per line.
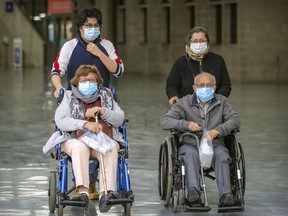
{"x":61,"y":95}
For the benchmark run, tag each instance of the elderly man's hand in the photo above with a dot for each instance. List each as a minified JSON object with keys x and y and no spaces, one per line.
{"x":213,"y":134}
{"x":193,"y":126}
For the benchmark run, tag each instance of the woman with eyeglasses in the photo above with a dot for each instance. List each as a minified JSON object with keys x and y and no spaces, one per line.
{"x":197,"y":59}
{"x":77,"y":112}
{"x":87,"y":47}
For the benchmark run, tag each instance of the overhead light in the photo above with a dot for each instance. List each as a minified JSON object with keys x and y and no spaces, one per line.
{"x":36,"y":18}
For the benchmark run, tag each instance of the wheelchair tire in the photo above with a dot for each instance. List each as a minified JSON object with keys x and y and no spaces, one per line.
{"x":127,"y":209}
{"x":242,"y":167}
{"x":235,"y":182}
{"x":165,"y":175}
{"x":52,"y":191}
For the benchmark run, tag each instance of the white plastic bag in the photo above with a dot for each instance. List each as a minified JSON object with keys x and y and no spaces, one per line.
{"x":100,"y":141}
{"x":206,"y":151}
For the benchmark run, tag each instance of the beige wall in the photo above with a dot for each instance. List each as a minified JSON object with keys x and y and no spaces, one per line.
{"x":260,"y":54}
{"x":16,"y":25}
{"x":263,"y":40}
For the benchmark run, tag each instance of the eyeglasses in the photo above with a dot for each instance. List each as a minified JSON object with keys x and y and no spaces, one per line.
{"x":88,"y":80}
{"x":198,"y":41}
{"x":90,"y":25}
{"x":203,"y":85}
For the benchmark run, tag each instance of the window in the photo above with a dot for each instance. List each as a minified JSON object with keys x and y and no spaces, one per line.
{"x":233,"y":23}
{"x":192,"y":16}
{"x":225,"y":20}
{"x":121,"y":25}
{"x":143,"y":21}
{"x":166,"y":21}
{"x":190,"y":4}
{"x":218,"y":24}
{"x":167,"y":16}
{"x":144,"y":25}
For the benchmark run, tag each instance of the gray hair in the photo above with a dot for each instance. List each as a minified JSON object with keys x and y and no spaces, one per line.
{"x":207,"y":74}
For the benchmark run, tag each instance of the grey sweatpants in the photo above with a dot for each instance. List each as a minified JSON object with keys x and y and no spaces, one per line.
{"x":221,"y":159}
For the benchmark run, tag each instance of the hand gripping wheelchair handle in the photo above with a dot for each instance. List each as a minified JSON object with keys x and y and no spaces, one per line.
{"x":61,"y":95}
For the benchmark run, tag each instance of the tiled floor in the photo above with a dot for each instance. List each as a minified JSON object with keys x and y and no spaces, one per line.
{"x":27,"y":108}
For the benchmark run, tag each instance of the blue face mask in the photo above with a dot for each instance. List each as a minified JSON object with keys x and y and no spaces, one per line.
{"x":91,"y":34}
{"x":205,"y":94}
{"x":87,"y":88}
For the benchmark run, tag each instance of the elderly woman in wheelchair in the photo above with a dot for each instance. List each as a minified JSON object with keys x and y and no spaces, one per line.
{"x":190,"y":117}
{"x":80,"y":110}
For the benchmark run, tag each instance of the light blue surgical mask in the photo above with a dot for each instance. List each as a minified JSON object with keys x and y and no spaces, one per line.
{"x":205,"y":94}
{"x":87,"y":88}
{"x":91,"y":34}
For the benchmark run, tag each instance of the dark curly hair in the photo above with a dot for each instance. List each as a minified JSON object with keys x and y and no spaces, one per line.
{"x":88,"y":12}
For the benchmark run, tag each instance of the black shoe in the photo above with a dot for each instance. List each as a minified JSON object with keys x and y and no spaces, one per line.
{"x":104,"y":199}
{"x":227,"y":200}
{"x":114,"y":195}
{"x":83,"y":197}
{"x":193,"y":195}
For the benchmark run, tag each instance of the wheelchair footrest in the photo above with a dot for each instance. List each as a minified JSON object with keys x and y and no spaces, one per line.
{"x":197,"y":209}
{"x":73,"y":203}
{"x":231,"y":209}
{"x":120,"y":201}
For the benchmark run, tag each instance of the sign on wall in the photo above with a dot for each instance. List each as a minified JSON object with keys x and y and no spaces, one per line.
{"x":59,"y":6}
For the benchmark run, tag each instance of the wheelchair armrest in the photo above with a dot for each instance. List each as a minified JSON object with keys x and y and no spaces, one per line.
{"x":233,"y":132}
{"x":190,"y":134}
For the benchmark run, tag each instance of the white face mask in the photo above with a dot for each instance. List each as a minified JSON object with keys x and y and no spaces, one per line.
{"x":198,"y":48}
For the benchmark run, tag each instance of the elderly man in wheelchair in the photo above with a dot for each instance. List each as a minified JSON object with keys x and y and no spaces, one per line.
{"x":203,"y":111}
{"x":90,"y":109}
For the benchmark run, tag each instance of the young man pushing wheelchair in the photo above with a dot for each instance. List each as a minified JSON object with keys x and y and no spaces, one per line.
{"x":204,"y":110}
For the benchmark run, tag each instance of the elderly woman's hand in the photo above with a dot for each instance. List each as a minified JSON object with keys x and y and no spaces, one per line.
{"x":93,"y":126}
{"x":91,"y":112}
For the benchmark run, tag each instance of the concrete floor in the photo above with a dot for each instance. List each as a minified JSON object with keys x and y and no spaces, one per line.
{"x":27,"y":108}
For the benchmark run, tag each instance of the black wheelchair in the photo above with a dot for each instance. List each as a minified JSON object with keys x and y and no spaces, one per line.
{"x":58,"y":191}
{"x":171,"y":175}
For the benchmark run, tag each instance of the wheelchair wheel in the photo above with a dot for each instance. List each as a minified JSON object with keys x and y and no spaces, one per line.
{"x":241,"y":160}
{"x":238,"y":178}
{"x":165,"y":177}
{"x":52,"y":191}
{"x":127,"y":210}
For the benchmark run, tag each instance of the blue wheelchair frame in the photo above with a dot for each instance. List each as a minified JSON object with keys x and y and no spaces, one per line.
{"x":123,"y":180}
{"x":61,"y":190}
